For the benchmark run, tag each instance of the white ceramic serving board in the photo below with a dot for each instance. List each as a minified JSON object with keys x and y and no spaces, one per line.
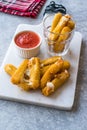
{"x":63,"y":98}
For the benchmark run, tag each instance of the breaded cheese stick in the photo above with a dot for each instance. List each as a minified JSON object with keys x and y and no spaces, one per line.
{"x":24,"y":86}
{"x":49,"y":74}
{"x":34,"y":68}
{"x":57,"y":82}
{"x":55,"y":21}
{"x":44,"y":69}
{"x":66,"y":65}
{"x":50,"y":60}
{"x":10,"y":69}
{"x":62,"y":23}
{"x":65,"y":33}
{"x":18,"y":75}
{"x":71,"y":24}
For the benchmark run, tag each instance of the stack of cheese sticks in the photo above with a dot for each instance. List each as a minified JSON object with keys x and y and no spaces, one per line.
{"x":61,"y":29}
{"x":34,"y":73}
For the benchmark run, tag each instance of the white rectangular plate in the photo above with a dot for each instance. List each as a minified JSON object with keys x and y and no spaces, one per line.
{"x":63,"y":98}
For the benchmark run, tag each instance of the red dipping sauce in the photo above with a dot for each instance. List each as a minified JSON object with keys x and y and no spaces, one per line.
{"x":27,"y":39}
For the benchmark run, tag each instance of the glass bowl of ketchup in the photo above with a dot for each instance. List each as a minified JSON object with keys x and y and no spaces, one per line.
{"x":27,"y":43}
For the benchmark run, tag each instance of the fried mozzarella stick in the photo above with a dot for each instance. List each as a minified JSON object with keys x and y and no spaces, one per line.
{"x":49,"y":74}
{"x":10,"y":69}
{"x":44,"y":69}
{"x":24,"y":86}
{"x":57,"y":82}
{"x":55,"y":21}
{"x":65,"y":33}
{"x":19,"y":73}
{"x":66,"y":65}
{"x":34,"y":68}
{"x":71,"y":24}
{"x":50,"y":60}
{"x":62,"y":23}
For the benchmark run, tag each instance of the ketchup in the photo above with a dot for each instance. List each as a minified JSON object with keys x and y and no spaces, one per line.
{"x":27,"y":39}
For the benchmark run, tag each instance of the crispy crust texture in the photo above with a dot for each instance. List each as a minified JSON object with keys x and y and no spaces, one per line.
{"x":53,"y":69}
{"x":59,"y":46}
{"x":61,"y":24}
{"x":34,"y":68}
{"x":58,"y":81}
{"x":18,"y":75}
{"x":10,"y":69}
{"x":50,"y":60}
{"x":55,"y":20}
{"x":66,"y":65}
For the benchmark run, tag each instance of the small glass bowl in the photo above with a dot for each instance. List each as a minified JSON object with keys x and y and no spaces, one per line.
{"x":27,"y":52}
{"x":54,"y":48}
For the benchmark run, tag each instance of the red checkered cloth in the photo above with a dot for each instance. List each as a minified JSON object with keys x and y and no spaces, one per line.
{"x":29,"y":8}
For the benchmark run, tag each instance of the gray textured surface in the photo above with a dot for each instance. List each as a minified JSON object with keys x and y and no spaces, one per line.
{"x":18,"y":116}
